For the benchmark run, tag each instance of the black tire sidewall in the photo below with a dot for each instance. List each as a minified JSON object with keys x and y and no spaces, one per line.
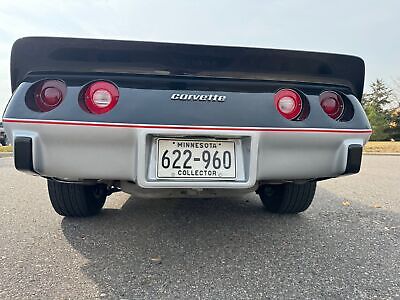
{"x":76,"y":200}
{"x":288,"y":198}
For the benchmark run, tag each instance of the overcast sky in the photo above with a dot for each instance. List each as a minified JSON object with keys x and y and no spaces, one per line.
{"x":369,"y":29}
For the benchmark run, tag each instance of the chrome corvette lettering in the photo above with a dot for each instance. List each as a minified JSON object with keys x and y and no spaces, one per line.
{"x":193,"y":97}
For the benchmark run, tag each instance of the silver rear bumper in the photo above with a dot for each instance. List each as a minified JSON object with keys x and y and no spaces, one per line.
{"x":77,"y":151}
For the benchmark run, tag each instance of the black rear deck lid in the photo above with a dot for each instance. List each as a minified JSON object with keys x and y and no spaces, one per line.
{"x":70,"y":55}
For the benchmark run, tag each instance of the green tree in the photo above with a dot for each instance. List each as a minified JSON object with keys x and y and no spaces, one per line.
{"x":394,"y":125}
{"x":380,"y":95}
{"x":379,"y":123}
{"x":395,"y":112}
{"x":396,"y":91}
{"x":375,"y":104}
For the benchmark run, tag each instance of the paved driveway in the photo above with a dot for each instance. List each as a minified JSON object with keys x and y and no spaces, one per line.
{"x":345,"y":246}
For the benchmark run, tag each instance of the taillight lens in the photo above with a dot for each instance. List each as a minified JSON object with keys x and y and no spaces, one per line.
{"x":332,"y":104}
{"x":101,"y":97}
{"x":288,"y":103}
{"x":49,"y":94}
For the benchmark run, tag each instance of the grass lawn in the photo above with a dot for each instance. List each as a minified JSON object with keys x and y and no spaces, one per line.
{"x":384,"y":147}
{"x":5,"y":149}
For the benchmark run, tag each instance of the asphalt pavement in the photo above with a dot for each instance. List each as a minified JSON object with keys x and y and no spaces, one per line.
{"x":346,"y":246}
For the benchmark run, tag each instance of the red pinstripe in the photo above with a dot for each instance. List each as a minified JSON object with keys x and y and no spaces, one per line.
{"x":183,"y":127}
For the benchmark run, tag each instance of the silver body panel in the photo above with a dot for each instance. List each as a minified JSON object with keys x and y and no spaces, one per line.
{"x":71,"y":151}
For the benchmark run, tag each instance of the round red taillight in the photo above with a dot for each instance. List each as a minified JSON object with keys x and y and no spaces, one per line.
{"x":49,"y":94}
{"x":332,"y":104}
{"x":288,"y":103}
{"x":101,"y":97}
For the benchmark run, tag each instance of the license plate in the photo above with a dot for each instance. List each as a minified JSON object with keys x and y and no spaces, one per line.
{"x":210,"y":159}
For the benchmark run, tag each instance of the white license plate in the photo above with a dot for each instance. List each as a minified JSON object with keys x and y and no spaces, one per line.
{"x":197,"y":159}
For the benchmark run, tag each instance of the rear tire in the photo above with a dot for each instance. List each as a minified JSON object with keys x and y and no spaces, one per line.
{"x":76,"y":200}
{"x":288,"y":198}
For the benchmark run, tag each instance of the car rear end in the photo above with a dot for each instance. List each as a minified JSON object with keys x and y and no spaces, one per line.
{"x":164,"y":117}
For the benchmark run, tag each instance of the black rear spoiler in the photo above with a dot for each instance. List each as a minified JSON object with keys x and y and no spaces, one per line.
{"x":71,"y":55}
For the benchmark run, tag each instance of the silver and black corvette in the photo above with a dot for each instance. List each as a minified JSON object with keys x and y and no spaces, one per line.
{"x":177,"y":120}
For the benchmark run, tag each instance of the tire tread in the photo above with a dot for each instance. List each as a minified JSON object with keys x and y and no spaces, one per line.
{"x":74,"y":200}
{"x":295,"y":198}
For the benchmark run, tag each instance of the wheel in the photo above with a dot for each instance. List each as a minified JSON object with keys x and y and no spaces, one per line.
{"x":288,"y":198}
{"x":76,"y":200}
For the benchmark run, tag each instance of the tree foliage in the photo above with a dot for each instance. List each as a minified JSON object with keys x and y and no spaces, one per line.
{"x":394,"y":125}
{"x":376,"y":104}
{"x":379,"y":97}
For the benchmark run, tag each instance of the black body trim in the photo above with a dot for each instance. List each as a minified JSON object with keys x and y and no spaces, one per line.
{"x":354,"y":156}
{"x":154,"y":106}
{"x":23,"y":158}
{"x":64,"y":55}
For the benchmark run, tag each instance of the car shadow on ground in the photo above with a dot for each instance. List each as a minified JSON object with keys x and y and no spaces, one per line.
{"x":232,"y":248}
